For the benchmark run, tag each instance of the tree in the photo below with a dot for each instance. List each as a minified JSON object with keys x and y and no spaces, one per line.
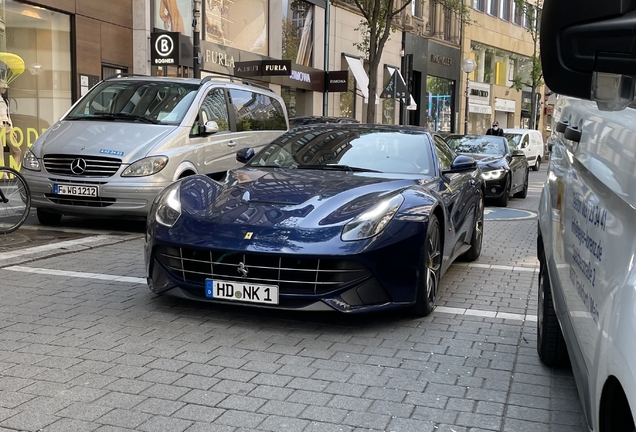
{"x":376,"y":27}
{"x":530,"y":14}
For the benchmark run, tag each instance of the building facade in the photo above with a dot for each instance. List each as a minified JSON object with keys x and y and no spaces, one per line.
{"x":501,"y":45}
{"x":51,"y":52}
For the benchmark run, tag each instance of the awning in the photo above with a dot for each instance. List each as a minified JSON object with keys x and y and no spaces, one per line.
{"x":479,"y":109}
{"x":412,"y":105}
{"x":362,"y":79}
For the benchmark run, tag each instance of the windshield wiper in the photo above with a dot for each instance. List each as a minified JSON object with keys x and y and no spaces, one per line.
{"x":115,"y":116}
{"x":336,"y":168}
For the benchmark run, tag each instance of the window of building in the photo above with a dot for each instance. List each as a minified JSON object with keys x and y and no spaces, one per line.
{"x":109,"y":71}
{"x":506,"y":10}
{"x":493,"y":7}
{"x":529,"y":16}
{"x":416,"y":8}
{"x":489,"y":71}
{"x":479,"y":5}
{"x":298,"y":18}
{"x":517,"y":13}
{"x":39,"y":92}
{"x":440,"y":100}
{"x":242,"y":25}
{"x":348,"y":99}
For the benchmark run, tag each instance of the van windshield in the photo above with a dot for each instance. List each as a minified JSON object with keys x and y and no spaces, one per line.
{"x":136,"y":101}
{"x":513,"y":140}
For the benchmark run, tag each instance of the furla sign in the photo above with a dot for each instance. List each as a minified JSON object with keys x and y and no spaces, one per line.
{"x":263,"y":68}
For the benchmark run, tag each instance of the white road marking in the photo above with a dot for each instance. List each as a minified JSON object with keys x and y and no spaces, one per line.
{"x":53,"y":246}
{"x":497,"y":267}
{"x":74,"y":274}
{"x":485,"y":314}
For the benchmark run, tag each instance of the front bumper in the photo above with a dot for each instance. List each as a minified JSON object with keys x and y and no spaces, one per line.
{"x":389,"y":276}
{"x":495,"y":188}
{"x":116,"y":196}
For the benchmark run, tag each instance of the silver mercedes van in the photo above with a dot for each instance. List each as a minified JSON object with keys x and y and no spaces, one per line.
{"x":131,"y":136}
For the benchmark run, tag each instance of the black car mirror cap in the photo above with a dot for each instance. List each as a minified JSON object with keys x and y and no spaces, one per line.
{"x":462,"y":163}
{"x":244,"y":155}
{"x":518,"y":153}
{"x":587,"y":50}
{"x":573,"y":133}
{"x":562,"y":125}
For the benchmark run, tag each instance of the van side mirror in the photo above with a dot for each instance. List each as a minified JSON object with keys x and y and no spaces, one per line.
{"x":244,"y":155}
{"x":586,"y":50}
{"x":210,"y":128}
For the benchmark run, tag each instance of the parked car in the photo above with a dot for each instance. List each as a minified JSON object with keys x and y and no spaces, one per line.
{"x":345,"y":217}
{"x":307,"y":120}
{"x":131,"y":136}
{"x":530,"y":141}
{"x":587,"y":211}
{"x":504,"y":167}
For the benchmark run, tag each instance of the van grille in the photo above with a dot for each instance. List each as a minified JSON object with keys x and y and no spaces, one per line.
{"x":80,"y":201}
{"x":293,"y":275}
{"x":94,"y":166}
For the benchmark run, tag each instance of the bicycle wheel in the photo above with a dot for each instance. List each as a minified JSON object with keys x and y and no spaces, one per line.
{"x":15,"y":200}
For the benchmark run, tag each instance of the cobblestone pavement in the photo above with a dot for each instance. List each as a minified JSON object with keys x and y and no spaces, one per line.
{"x":85,"y":346}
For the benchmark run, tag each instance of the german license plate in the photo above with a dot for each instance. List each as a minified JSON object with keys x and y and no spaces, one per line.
{"x":89,"y":191}
{"x":241,"y":291}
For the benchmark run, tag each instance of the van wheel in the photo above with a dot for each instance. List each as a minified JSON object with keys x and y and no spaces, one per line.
{"x":550,"y":343}
{"x":48,"y":218}
{"x":537,"y":164}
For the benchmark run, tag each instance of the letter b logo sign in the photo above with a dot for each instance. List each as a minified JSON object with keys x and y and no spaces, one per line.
{"x":164,"y":45}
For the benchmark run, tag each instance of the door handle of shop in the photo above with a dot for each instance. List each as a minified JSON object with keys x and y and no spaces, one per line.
{"x":231,"y":143}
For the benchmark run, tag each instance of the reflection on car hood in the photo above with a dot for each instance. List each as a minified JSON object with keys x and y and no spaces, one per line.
{"x":122,"y":140}
{"x":288,"y":197}
{"x":485,"y":161}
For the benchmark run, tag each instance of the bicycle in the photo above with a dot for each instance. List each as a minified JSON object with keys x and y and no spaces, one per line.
{"x":15,"y":200}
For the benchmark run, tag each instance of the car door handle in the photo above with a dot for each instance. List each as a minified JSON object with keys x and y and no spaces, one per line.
{"x":231,"y":143}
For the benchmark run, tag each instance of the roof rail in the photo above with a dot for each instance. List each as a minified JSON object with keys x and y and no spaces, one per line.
{"x":235,"y":80}
{"x":122,"y":75}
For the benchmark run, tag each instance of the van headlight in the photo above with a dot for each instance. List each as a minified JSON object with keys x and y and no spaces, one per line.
{"x":493,"y":175}
{"x":30,"y":162}
{"x":372,"y":221}
{"x":167,"y":208}
{"x":146,"y":166}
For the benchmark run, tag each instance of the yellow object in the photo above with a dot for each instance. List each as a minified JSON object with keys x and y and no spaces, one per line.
{"x":501,"y":72}
{"x":15,"y":66}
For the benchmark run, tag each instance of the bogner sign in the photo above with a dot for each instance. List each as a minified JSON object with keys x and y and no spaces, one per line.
{"x":164,"y":49}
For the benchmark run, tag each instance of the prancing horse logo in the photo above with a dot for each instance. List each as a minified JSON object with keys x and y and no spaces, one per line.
{"x":242,"y":270}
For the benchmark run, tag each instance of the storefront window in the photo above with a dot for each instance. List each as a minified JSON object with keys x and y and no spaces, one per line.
{"x":298,"y":18}
{"x":240,"y":24}
{"x":478,"y":123}
{"x":347,"y":100}
{"x":35,"y":65}
{"x":174,"y":16}
{"x":440,"y":103}
{"x":289,"y":96}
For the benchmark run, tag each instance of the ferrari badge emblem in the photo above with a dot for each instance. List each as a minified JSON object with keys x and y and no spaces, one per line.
{"x":248,"y":235}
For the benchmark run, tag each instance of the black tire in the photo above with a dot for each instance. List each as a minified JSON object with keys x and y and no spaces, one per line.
{"x":537,"y":164}
{"x":550,"y":343}
{"x":430,"y":270}
{"x":48,"y":218}
{"x":15,"y":200}
{"x":502,"y":201}
{"x":524,"y":192}
{"x":477,"y":238}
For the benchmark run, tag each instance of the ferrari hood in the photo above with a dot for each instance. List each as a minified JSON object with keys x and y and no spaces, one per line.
{"x":288,"y":198}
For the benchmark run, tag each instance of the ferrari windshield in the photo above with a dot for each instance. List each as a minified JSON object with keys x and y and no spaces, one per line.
{"x":350,"y":149}
{"x":159,"y":102}
{"x":486,"y":145}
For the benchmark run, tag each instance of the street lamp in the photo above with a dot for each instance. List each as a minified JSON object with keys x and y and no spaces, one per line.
{"x":468,"y":66}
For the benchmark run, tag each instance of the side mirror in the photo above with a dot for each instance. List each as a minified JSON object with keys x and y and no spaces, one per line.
{"x":582,"y":41}
{"x":518,"y":153}
{"x":210,"y":128}
{"x":461,"y":164}
{"x":244,"y":155}
{"x":524,"y":145}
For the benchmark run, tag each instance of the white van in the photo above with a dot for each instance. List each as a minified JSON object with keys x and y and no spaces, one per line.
{"x":530,"y":141}
{"x":131,"y":136}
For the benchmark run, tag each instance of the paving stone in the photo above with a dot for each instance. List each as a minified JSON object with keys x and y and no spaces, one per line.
{"x":198,"y":413}
{"x":84,"y":411}
{"x":165,"y":424}
{"x":71,"y":425}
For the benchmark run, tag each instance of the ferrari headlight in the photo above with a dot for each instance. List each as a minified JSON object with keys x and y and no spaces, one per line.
{"x":493,"y":175}
{"x":30,"y":162}
{"x":372,"y":221}
{"x":168,"y":206}
{"x":146,"y":166}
